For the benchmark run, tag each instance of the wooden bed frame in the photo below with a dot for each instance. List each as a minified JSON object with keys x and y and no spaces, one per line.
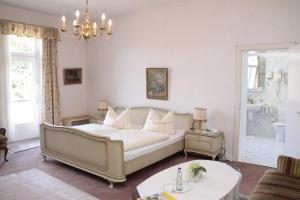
{"x":100,"y":155}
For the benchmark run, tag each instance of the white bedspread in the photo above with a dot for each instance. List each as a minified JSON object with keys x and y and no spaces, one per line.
{"x":135,"y":153}
{"x":96,"y":129}
{"x":132,"y":138}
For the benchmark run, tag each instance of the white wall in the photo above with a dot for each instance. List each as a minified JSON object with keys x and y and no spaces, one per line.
{"x":292,"y":137}
{"x":196,"y":40}
{"x":71,"y":53}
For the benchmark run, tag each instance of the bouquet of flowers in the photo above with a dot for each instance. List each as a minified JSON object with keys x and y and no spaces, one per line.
{"x":195,"y":171}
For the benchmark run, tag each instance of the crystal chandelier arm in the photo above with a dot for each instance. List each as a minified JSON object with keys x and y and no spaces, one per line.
{"x":76,"y":30}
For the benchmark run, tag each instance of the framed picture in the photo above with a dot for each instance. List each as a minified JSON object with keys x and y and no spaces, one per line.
{"x":72,"y":76}
{"x":157,"y":83}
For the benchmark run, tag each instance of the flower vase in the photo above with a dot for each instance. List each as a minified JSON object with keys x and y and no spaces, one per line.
{"x":195,"y":177}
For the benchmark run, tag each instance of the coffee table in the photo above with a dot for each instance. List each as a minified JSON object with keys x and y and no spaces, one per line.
{"x":220,"y":181}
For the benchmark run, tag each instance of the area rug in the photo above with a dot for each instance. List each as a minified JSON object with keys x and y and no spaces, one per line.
{"x":36,"y":184}
{"x":24,"y":145}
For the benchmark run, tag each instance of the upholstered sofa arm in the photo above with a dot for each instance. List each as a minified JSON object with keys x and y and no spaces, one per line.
{"x":288,"y":165}
{"x":2,"y":131}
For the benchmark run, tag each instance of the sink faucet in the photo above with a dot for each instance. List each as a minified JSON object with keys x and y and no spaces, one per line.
{"x":250,"y":101}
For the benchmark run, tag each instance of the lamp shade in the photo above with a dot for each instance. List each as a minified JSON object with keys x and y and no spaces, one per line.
{"x":102,"y":105}
{"x":200,"y":114}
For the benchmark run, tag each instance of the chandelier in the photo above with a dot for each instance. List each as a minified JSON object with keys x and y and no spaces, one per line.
{"x":88,"y":30}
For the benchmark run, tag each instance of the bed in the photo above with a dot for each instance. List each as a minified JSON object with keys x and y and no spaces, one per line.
{"x":105,"y":157}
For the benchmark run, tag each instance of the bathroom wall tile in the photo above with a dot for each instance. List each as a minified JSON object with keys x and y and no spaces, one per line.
{"x":260,"y":125}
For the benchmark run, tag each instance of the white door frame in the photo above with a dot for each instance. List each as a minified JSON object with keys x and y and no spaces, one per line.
{"x":237,"y":106}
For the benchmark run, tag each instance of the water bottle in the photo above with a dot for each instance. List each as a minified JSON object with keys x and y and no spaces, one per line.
{"x":179,"y":186}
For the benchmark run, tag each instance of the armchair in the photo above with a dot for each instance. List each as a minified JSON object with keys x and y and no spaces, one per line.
{"x":3,"y":142}
{"x":279,"y":184}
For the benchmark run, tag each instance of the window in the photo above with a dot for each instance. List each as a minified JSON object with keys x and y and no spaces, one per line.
{"x":24,"y":78}
{"x":252,"y":77}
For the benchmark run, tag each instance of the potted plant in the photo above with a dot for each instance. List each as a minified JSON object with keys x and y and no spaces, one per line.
{"x":195,"y":171}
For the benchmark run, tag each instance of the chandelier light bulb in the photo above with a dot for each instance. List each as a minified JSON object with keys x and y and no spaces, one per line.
{"x":95,"y":29}
{"x":109,"y":26}
{"x":74,"y":22}
{"x":103,"y":17}
{"x":63,"y":20}
{"x":77,"y":13}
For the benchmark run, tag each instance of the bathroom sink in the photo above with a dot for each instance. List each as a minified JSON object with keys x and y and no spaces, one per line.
{"x":255,"y":107}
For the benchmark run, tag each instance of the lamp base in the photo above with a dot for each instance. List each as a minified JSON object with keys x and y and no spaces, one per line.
{"x":197,"y":125}
{"x":102,"y":113}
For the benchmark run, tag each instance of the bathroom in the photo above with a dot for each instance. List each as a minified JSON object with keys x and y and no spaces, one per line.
{"x":266,"y":105}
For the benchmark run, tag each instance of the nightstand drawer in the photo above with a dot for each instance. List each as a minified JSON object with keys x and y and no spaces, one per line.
{"x":203,"y":143}
{"x":80,"y":122}
{"x":75,"y":121}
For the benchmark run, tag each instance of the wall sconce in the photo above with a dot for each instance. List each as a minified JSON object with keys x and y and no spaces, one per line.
{"x":200,"y":115}
{"x":270,"y":75}
{"x":102,"y":107}
{"x":277,"y":76}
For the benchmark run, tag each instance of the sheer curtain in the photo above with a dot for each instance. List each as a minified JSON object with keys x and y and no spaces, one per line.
{"x":5,"y":103}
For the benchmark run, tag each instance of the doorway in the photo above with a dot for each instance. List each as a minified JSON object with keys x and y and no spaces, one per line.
{"x":261,"y":101}
{"x":24,"y":91}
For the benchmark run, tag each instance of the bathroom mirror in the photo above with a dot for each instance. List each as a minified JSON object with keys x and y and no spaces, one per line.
{"x":256,"y":73}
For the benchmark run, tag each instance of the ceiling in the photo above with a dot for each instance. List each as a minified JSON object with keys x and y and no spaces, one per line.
{"x":68,"y":7}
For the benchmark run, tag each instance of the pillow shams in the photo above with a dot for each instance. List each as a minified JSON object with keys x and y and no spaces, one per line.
{"x":164,"y":125}
{"x":121,"y":121}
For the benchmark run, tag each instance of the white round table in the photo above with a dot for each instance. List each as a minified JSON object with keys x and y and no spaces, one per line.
{"x":220,"y":181}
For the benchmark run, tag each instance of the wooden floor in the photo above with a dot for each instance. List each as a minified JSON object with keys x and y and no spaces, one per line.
{"x":99,"y":187}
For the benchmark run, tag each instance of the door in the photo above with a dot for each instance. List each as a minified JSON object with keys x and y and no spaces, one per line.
{"x":292,"y":146}
{"x":24,"y":75}
{"x":243,"y":109}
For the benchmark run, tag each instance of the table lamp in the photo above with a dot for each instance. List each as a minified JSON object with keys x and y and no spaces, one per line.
{"x":200,"y":115}
{"x":102,"y":107}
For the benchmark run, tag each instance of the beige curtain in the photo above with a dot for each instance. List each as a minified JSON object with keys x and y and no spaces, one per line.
{"x":50,"y":37}
{"x":8,"y":27}
{"x":51,"y":104}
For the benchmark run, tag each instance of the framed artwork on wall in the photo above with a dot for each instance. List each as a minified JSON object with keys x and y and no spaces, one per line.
{"x":157,"y":83}
{"x":72,"y":76}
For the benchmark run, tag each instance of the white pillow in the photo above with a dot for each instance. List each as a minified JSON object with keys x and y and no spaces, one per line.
{"x":154,"y":123}
{"x":113,"y":120}
{"x":111,"y":115}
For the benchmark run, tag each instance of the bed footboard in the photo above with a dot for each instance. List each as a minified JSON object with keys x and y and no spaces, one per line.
{"x":94,"y":154}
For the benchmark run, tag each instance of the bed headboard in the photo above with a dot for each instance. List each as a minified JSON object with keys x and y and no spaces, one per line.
{"x":139,"y":115}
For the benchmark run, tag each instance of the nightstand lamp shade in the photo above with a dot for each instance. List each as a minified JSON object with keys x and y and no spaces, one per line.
{"x":102,"y":105}
{"x":200,"y":114}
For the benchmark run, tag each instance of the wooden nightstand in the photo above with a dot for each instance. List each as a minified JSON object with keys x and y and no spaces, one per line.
{"x":210,"y":144}
{"x":78,"y":120}
{"x":96,"y":121}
